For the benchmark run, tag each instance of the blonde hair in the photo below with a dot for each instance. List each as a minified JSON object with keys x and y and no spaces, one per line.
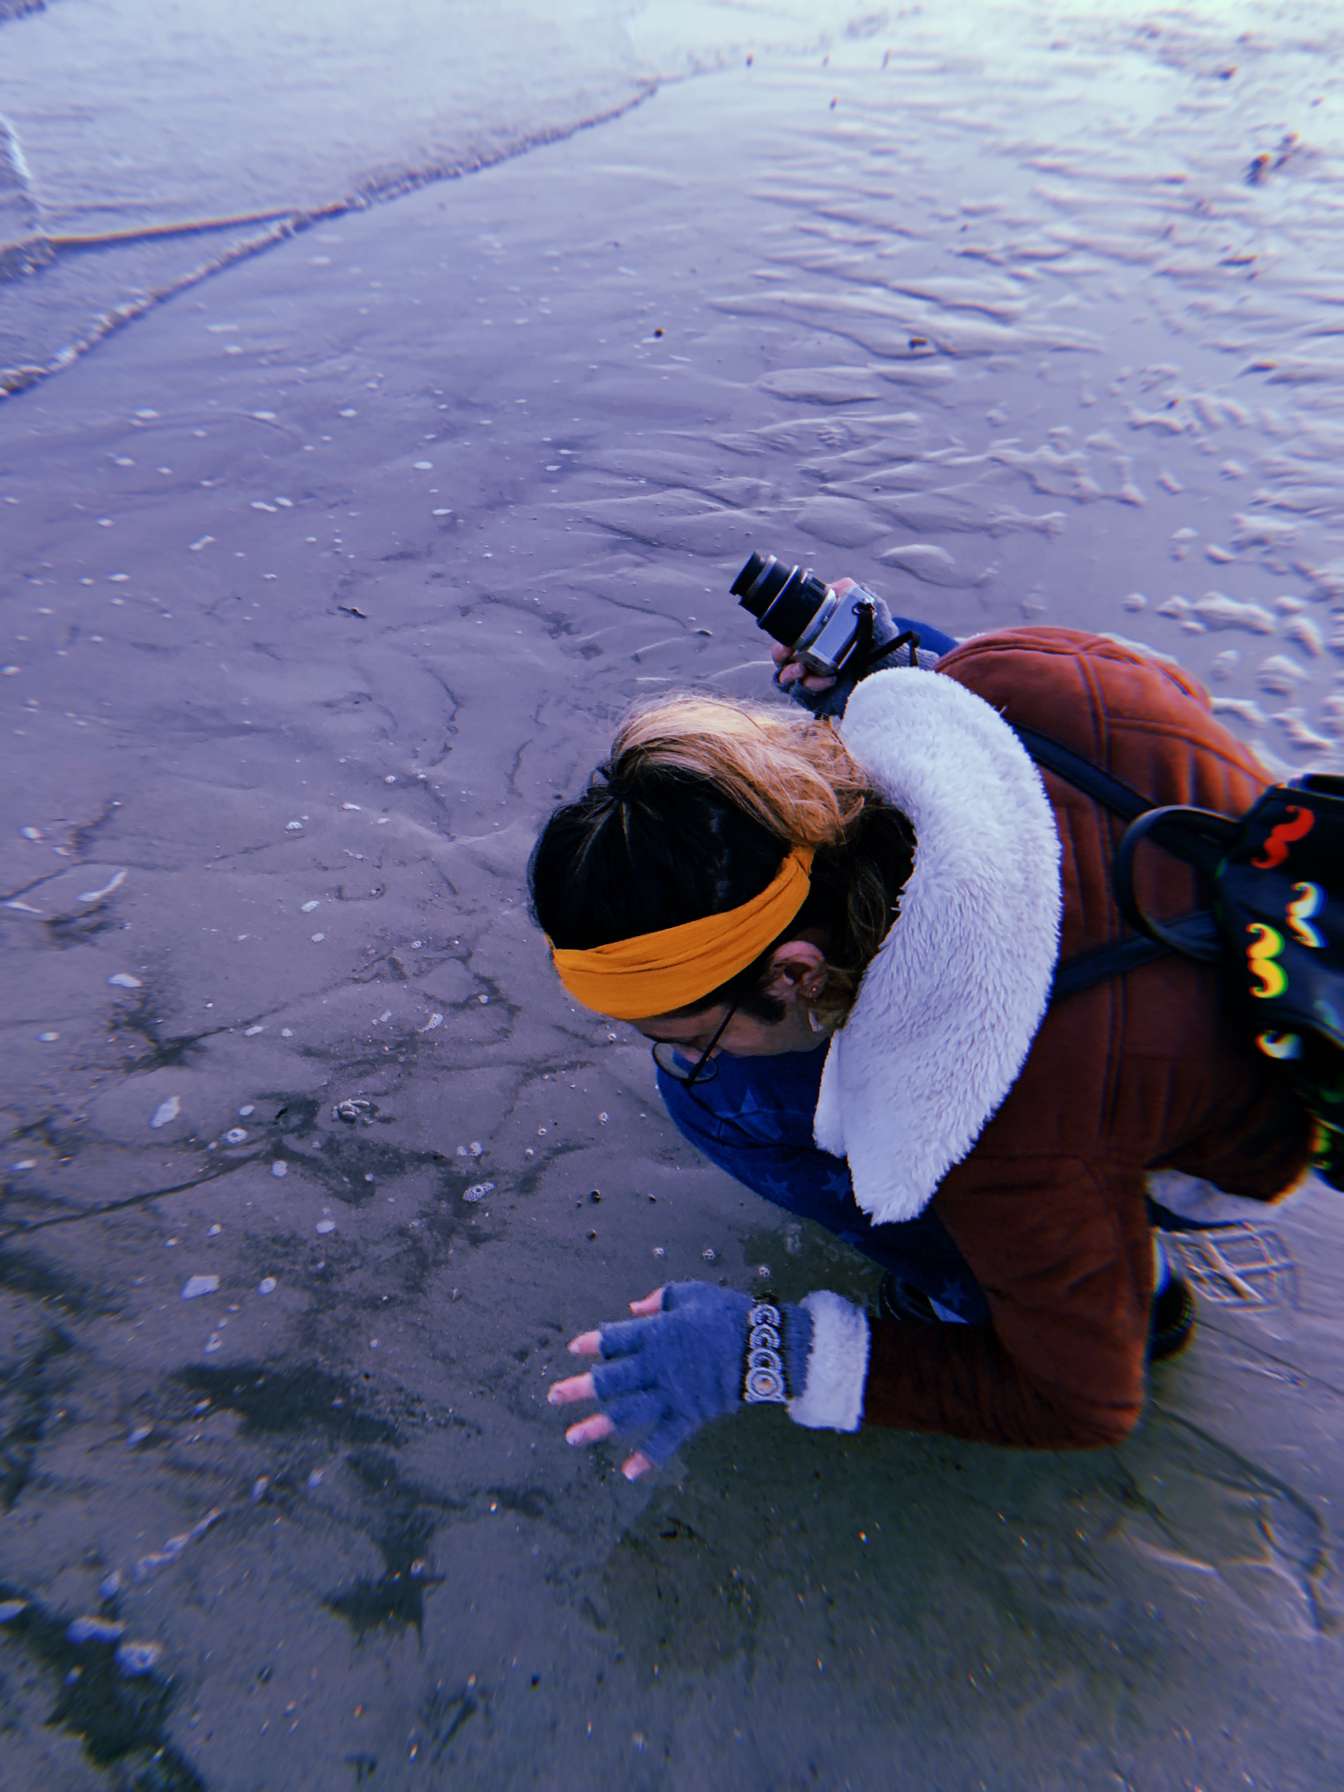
{"x":790,"y":773}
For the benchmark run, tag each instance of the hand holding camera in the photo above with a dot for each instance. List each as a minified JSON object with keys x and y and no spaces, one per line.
{"x":791,"y":668}
{"x":827,"y":636}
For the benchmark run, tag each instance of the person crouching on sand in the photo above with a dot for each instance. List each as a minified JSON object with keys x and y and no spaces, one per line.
{"x":842,"y":942}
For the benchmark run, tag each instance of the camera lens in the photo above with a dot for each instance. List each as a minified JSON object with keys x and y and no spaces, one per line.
{"x":790,"y":598}
{"x":760,"y":582}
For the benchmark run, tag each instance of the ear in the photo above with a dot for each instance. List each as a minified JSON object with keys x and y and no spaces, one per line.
{"x":797,"y":972}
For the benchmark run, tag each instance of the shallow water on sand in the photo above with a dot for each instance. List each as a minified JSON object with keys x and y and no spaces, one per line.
{"x":325,"y":581}
{"x":144,"y":148}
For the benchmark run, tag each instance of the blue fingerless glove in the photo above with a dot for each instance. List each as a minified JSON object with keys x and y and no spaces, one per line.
{"x":680,"y":1368}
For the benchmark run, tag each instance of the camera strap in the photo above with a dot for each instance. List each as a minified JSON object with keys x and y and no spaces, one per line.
{"x":907,"y":638}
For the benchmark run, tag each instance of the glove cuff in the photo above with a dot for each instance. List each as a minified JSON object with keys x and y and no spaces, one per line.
{"x":837,"y":1366}
{"x":779,"y":1341}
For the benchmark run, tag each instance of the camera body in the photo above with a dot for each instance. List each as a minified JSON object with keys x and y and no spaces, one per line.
{"x":804,"y":613}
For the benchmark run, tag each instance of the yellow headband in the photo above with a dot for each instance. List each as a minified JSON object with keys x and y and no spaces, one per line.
{"x":655,"y":973}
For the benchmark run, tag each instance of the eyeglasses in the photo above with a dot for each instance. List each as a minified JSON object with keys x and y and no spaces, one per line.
{"x":671,"y":1060}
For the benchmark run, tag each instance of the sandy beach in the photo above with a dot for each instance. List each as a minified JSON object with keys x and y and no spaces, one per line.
{"x":323,"y":583}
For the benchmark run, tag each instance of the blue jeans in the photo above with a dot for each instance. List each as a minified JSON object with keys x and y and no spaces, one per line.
{"x":754,"y":1120}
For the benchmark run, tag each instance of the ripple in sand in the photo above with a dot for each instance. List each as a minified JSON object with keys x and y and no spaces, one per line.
{"x":1281,"y":675}
{"x":1304,"y":633}
{"x":822,"y":385}
{"x":841,"y":522}
{"x":1240,"y":709}
{"x":931,"y":565}
{"x":1217,"y":610}
{"x":1302,"y":737}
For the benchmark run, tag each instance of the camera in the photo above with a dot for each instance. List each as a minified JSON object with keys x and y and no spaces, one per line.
{"x":803,"y":613}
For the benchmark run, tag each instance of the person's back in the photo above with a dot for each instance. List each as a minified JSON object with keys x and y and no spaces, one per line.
{"x":1136,"y":1074}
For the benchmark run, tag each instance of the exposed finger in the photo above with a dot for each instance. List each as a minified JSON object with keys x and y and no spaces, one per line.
{"x":649,"y":1305}
{"x":635,"y":1466}
{"x":586,"y":1344}
{"x":590,"y":1430}
{"x":817,"y":681}
{"x":779,"y":652}
{"x":567,"y":1393}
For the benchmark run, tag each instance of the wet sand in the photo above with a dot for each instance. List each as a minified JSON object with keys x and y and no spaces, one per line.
{"x":328,"y":580}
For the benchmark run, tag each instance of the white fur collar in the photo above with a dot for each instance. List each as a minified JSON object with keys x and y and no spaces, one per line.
{"x":947,"y":1010}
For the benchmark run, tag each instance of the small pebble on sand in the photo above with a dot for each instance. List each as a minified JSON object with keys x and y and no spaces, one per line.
{"x":93,"y":1630}
{"x":195,"y":1286}
{"x":138,"y":1658}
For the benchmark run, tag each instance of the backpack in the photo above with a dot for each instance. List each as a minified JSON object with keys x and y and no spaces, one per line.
{"x":1273,"y":881}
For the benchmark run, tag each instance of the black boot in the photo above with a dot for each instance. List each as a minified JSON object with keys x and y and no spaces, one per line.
{"x":1173,"y":1319}
{"x":899,"y":1299}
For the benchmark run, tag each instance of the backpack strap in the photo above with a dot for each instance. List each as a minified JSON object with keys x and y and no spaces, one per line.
{"x":1194,"y":934}
{"x":1103,"y":962}
{"x":1110,"y":792}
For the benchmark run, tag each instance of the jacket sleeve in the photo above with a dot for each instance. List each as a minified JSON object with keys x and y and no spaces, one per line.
{"x":1061,"y":1366}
